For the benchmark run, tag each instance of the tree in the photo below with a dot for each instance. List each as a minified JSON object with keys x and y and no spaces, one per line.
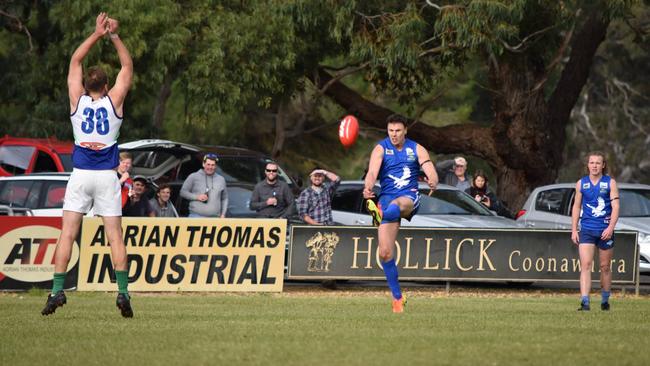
{"x":538,"y":56}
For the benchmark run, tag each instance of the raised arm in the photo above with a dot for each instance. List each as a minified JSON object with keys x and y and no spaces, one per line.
{"x":125,"y":76}
{"x":75,"y":71}
{"x":376,"y":158}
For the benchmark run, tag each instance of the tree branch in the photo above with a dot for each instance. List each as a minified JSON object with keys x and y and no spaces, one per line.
{"x":467,"y":138}
{"x":21,"y":27}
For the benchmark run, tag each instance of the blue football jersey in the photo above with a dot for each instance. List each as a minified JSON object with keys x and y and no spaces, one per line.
{"x":596,"y":203}
{"x":399,"y":169}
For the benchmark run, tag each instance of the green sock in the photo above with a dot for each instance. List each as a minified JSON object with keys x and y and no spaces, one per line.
{"x":122,"y":281}
{"x":57,"y":282}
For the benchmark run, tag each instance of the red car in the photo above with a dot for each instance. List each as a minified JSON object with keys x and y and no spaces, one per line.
{"x":25,"y":155}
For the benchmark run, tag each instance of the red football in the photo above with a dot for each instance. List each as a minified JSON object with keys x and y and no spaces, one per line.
{"x":348,"y":130}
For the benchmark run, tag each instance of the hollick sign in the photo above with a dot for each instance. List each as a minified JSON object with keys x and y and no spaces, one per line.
{"x":320,"y":252}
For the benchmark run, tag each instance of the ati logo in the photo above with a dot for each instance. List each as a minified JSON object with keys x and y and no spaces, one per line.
{"x":27,"y":253}
{"x":321,"y":251}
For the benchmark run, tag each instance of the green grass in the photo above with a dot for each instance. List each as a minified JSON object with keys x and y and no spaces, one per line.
{"x":339,"y":328}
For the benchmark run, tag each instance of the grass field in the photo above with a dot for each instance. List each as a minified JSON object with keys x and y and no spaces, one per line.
{"x":305,"y":326}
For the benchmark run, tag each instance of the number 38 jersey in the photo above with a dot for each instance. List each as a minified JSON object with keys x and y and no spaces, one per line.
{"x":96,"y":127}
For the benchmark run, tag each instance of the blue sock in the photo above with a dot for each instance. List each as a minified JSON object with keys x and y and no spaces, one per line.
{"x":391,"y":213}
{"x":390,"y":270}
{"x":585,"y":300}
{"x":605,"y":296}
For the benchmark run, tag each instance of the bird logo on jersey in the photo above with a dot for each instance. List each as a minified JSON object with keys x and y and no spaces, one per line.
{"x":402,"y":181}
{"x":598,"y":210}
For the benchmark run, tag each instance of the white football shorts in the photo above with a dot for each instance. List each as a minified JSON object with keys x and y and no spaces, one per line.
{"x":97,"y":189}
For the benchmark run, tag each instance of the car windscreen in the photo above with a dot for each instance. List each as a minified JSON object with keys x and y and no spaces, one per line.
{"x":15,"y":159}
{"x":635,"y":203}
{"x":450,"y":202}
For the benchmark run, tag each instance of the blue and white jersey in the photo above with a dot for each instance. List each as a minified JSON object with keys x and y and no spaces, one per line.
{"x":96,"y":127}
{"x":399,"y":169}
{"x":596,"y":203}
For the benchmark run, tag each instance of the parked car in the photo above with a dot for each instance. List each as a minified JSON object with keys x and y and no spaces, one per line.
{"x":26,"y":155}
{"x":447,"y":206}
{"x":550,"y":207}
{"x":38,"y":194}
{"x":172,"y":162}
{"x":164,"y":160}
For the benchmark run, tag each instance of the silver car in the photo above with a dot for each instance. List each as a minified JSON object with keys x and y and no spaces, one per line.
{"x":447,"y":206}
{"x":550,"y":207}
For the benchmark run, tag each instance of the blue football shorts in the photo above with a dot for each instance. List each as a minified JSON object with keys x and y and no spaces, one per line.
{"x":386,"y":199}
{"x":593,"y":237}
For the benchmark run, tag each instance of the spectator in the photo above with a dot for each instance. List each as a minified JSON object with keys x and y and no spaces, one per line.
{"x":458,"y":176}
{"x":315,"y":202}
{"x":161,"y":205}
{"x":272,"y":197}
{"x":126,"y":161}
{"x":137,"y":205}
{"x":482,"y":193}
{"x":206,"y":190}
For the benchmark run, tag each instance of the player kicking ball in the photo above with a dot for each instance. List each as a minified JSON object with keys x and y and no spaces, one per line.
{"x":396,"y":161}
{"x":96,"y":115}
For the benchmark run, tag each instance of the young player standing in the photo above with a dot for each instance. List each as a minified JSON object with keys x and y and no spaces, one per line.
{"x":596,"y":206}
{"x":96,"y":115}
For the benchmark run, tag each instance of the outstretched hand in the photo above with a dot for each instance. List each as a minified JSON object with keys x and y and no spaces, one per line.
{"x":101,"y":24}
{"x":113,"y":25}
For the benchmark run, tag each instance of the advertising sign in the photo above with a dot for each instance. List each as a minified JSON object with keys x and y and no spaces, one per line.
{"x":188,"y":254}
{"x":27,"y":246}
{"x":321,"y":252}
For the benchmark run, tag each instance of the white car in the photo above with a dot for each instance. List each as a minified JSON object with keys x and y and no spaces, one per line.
{"x":39,"y":194}
{"x":550,"y":207}
{"x":446,"y":207}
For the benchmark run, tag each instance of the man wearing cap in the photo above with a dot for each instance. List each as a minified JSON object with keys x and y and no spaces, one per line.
{"x":458,"y":176}
{"x":206,"y":190}
{"x":137,"y":205}
{"x":315,"y":202}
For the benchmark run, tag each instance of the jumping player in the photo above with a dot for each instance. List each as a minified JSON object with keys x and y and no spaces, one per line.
{"x":396,"y":160}
{"x":96,"y":115}
{"x":596,"y":206}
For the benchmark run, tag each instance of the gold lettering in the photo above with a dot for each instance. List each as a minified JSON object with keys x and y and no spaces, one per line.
{"x":426,"y":262}
{"x":552,"y":265}
{"x":357,"y":252}
{"x":527,"y":264}
{"x":576,"y":265}
{"x":408,"y":256}
{"x":621,"y":266}
{"x":539,"y":264}
{"x":484,"y":255}
{"x":512,"y":268}
{"x":458,"y":248}
{"x":447,"y":251}
{"x":565,"y":265}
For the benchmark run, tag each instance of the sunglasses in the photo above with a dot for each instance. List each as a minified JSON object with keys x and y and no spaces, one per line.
{"x":271,"y":170}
